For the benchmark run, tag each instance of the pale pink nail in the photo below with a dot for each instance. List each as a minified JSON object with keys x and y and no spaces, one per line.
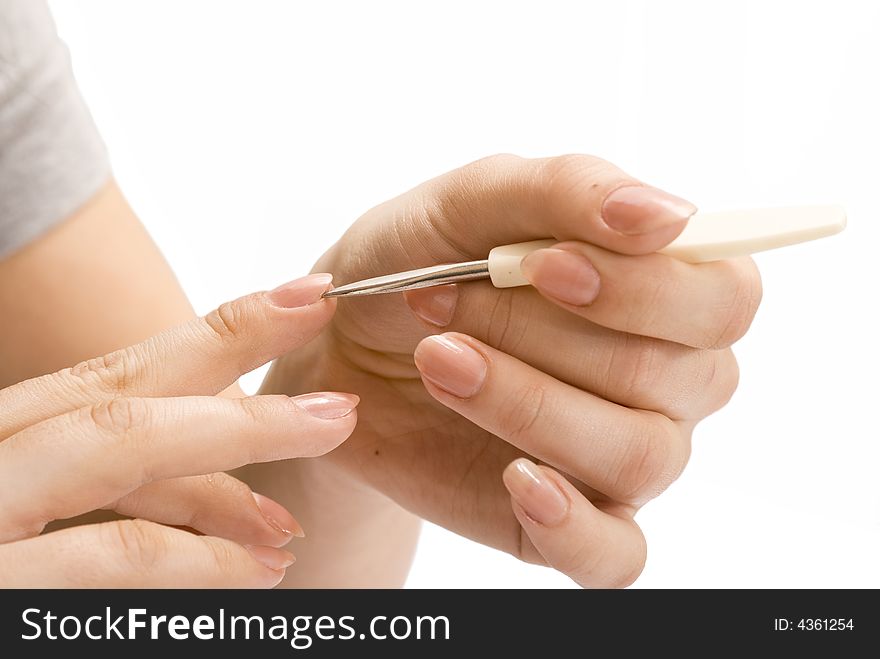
{"x":637,"y":209}
{"x":533,"y":490}
{"x":436,"y":306}
{"x":452,"y":365}
{"x":300,"y":292}
{"x":271,"y":557}
{"x":562,"y":274}
{"x":278,"y":517}
{"x":327,"y":404}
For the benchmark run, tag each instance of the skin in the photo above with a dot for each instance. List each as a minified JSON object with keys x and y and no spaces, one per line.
{"x":132,"y":427}
{"x":606,"y":414}
{"x":54,"y":295}
{"x":605,"y":394}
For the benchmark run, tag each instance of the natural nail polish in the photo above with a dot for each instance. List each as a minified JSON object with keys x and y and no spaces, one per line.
{"x":539,"y":497}
{"x":271,"y":557}
{"x":327,"y":404}
{"x":637,"y":209}
{"x":300,"y":292}
{"x":435,"y":306}
{"x":562,"y":274}
{"x":451,"y":365}
{"x":277,"y":516}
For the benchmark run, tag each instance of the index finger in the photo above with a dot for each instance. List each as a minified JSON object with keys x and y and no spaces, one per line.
{"x":200,"y":357}
{"x":507,"y":199}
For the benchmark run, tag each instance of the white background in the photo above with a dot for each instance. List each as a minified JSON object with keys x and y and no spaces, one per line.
{"x":248,"y":135}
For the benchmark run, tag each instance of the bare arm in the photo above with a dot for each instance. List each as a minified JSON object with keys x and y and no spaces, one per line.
{"x":94,"y":283}
{"x":97,"y":282}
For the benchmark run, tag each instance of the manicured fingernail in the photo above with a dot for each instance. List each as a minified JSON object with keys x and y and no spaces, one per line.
{"x":541,"y":498}
{"x":451,"y":365}
{"x":300,"y":292}
{"x":327,"y":404}
{"x":635,"y":209}
{"x":562,"y":274}
{"x":435,"y":306}
{"x":277,"y":516}
{"x":271,"y":557}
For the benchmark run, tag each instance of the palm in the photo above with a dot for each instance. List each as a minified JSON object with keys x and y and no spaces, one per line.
{"x":429,"y":459}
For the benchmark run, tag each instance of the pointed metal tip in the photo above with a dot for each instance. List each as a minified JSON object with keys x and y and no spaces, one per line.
{"x":436,"y":275}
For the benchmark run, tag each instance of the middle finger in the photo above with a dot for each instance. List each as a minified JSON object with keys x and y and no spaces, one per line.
{"x":678,"y":381}
{"x":88,"y":458}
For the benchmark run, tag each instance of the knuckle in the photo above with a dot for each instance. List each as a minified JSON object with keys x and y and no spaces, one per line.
{"x":475,"y":176}
{"x":223,"y":485}
{"x":649,"y":301}
{"x":521,"y":411}
{"x":505,"y":329}
{"x":120,"y":416}
{"x":258,"y":417}
{"x":257,"y":410}
{"x":741,"y":300}
{"x":458,"y":195}
{"x":636,"y":365}
{"x":112,"y":373}
{"x":720,"y":377}
{"x":653,"y":459}
{"x":217,"y":491}
{"x":226,"y":322}
{"x":140,"y":544}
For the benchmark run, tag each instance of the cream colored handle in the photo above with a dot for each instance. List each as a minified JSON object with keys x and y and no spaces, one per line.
{"x":707,"y":237}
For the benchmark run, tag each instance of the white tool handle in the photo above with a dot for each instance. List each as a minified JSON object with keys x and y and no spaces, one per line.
{"x":707,"y":237}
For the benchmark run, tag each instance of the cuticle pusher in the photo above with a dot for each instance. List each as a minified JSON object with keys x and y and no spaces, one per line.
{"x":707,"y":237}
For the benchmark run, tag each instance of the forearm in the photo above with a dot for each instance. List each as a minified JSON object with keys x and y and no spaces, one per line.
{"x":94,"y":283}
{"x":97,"y":282}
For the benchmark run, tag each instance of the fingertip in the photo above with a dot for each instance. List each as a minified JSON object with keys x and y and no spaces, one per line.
{"x":301,"y":292}
{"x":433,"y":305}
{"x":634,"y":210}
{"x":271,"y":557}
{"x":563,"y":273}
{"x":452,"y":364}
{"x":539,"y":496}
{"x":327,"y":405}
{"x":278,"y":518}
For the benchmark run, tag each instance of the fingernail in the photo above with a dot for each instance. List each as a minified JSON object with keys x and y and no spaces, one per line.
{"x":542,"y":499}
{"x":635,"y":209}
{"x":451,"y":365}
{"x":300,"y":292}
{"x":272,"y":558}
{"x":277,"y":516}
{"x":435,"y":306}
{"x":327,"y":404}
{"x":562,"y":274}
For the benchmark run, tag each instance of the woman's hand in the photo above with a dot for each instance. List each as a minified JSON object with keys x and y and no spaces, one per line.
{"x":140,"y":431}
{"x":599,"y":372}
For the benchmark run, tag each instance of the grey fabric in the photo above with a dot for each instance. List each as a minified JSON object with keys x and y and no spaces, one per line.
{"x":52,"y":158}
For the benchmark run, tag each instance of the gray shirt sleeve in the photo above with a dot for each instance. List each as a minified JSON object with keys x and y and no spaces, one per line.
{"x":52,"y":159}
